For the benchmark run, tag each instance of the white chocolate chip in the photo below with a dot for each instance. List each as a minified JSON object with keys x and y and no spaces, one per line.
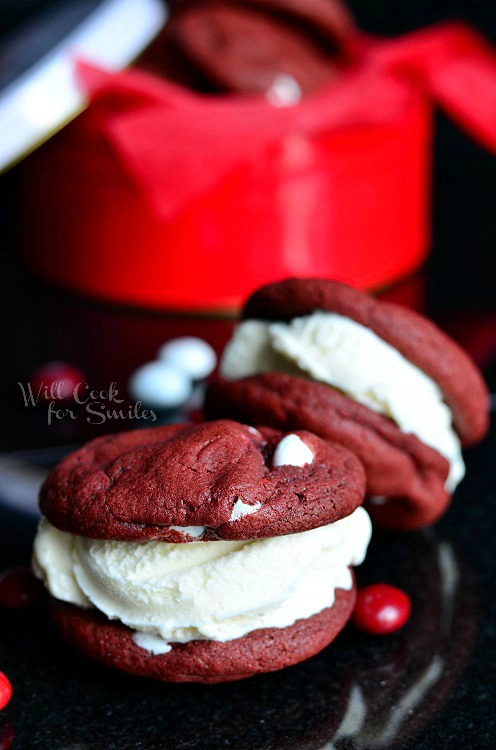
{"x":254,"y":431}
{"x":194,"y":531}
{"x":241,"y":509}
{"x":292,"y":451}
{"x":285,"y":91}
{"x":154,"y":644}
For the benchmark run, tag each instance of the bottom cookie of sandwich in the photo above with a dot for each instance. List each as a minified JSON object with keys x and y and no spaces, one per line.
{"x":204,"y":661}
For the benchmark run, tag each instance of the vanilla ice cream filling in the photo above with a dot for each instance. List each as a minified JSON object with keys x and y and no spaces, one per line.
{"x":204,"y":590}
{"x":335,"y":350}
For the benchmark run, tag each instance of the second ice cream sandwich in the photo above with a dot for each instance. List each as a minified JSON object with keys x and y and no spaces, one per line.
{"x":376,"y":377}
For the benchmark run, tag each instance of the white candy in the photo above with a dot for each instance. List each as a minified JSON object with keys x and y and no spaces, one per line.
{"x":160,"y":384}
{"x":191,"y":355}
{"x":292,"y":451}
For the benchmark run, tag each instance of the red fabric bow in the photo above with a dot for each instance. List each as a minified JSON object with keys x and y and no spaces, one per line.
{"x":176,"y":145}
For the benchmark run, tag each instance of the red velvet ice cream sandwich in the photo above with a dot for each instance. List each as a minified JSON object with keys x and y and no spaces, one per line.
{"x":202,"y":553}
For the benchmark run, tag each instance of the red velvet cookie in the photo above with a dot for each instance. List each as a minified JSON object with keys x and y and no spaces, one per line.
{"x":400,"y":465}
{"x":219,"y":611}
{"x":136,"y":485}
{"x":265,"y":650}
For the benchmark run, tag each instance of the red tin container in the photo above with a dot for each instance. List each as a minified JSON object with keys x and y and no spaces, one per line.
{"x":341,"y":192}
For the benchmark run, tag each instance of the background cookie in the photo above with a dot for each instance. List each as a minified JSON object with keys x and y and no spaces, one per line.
{"x":418,"y":339}
{"x":253,"y":46}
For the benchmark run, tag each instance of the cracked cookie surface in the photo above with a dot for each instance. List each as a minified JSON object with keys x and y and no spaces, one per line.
{"x":184,"y":483}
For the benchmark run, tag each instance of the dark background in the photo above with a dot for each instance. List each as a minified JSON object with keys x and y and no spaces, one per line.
{"x":463,"y":258}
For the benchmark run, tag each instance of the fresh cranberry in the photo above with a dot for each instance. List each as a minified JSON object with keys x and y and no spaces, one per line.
{"x":381,"y":609}
{"x":55,"y":381}
{"x":19,"y":589}
{"x":5,"y":690}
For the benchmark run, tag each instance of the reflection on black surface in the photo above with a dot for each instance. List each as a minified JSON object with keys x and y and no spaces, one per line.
{"x":392,"y":700}
{"x":361,"y":692}
{"x":6,"y":733}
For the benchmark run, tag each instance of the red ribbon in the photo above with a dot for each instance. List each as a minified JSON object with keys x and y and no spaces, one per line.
{"x":177,"y":145}
{"x":456,"y":67}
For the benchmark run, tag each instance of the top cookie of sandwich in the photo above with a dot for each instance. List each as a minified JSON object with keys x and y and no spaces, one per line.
{"x":419,"y":340}
{"x":220,"y":480}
